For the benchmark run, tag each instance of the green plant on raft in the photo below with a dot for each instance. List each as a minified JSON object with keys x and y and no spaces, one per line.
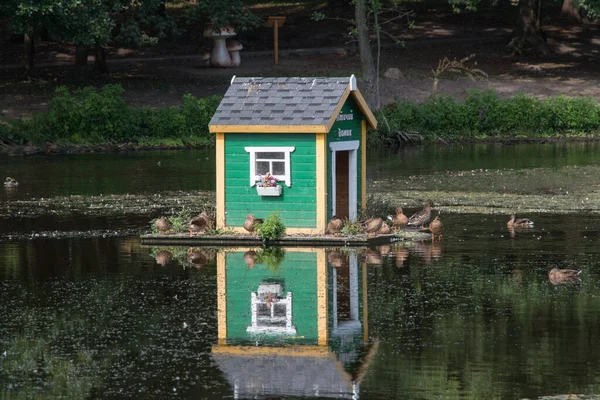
{"x":270,"y":257}
{"x":352,"y":228}
{"x":273,"y":228}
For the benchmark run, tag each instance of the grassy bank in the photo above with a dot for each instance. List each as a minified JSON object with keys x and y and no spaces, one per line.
{"x":101,"y":119}
{"x":483,"y":115}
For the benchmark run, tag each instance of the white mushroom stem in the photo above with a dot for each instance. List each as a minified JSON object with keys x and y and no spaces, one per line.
{"x":220,"y":56}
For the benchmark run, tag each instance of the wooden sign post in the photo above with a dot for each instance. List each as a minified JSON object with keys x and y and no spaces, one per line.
{"x":276,"y":23}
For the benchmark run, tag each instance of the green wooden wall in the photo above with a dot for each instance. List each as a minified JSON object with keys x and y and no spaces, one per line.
{"x":350,"y":107}
{"x":296,"y":205}
{"x":297,"y":273}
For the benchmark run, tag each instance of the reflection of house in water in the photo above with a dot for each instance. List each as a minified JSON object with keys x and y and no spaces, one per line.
{"x":296,"y":329}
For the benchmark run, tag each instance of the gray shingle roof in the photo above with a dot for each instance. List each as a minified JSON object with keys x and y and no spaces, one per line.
{"x":280,"y":101}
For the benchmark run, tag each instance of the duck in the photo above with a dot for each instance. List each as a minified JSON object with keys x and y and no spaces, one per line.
{"x":10,"y":182}
{"x":399,"y":220}
{"x":372,"y":225}
{"x":251,"y":223}
{"x":422,"y":217}
{"x":163,"y":225}
{"x":338,"y":259}
{"x":163,"y":257}
{"x":436,"y":228}
{"x":558,"y":276}
{"x":519,"y":222}
{"x":198,"y":224}
{"x":385,"y":229}
{"x":335,"y":225}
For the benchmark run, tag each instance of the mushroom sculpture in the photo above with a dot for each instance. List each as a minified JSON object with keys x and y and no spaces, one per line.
{"x":219,"y":56}
{"x":234,"y":47}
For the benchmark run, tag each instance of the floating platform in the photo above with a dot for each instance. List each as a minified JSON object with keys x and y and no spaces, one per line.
{"x":240,"y":240}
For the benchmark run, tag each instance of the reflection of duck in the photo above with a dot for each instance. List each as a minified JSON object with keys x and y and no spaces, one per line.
{"x":422,"y":217}
{"x":519,"y":222}
{"x":163,"y":225}
{"x":250,"y":258}
{"x":401,"y":256}
{"x":201,"y":223}
{"x":251,"y":223}
{"x":338,"y":259}
{"x":558,"y":276}
{"x":399,"y":220}
{"x":428,"y":251}
{"x":373,"y":257}
{"x":10,"y":182}
{"x":436,"y":228}
{"x":335,"y":225}
{"x":197,"y":258}
{"x":163,"y":257}
{"x":372,"y":225}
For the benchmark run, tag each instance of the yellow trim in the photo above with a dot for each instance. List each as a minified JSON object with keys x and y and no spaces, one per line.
{"x":221,"y":296}
{"x":296,"y":351}
{"x":362,"y":104}
{"x":220,"y":144}
{"x":321,"y":168}
{"x":365,"y":320}
{"x":338,"y":108}
{"x":322,"y":297}
{"x":364,"y":165}
{"x":288,"y":231}
{"x":268,"y":128}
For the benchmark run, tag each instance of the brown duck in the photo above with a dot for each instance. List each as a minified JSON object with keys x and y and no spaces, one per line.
{"x":558,"y":276}
{"x":198,"y":224}
{"x":197,"y":258}
{"x":163,"y":225}
{"x":519,"y":222}
{"x":372,"y":225}
{"x":436,"y":228}
{"x":335,"y":225}
{"x":399,"y":220}
{"x":385,"y":229}
{"x":163,"y":257}
{"x":250,"y":223}
{"x":422,"y":217}
{"x":10,"y":182}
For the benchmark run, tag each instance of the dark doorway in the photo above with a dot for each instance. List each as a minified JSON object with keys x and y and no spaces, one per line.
{"x":342,"y":184}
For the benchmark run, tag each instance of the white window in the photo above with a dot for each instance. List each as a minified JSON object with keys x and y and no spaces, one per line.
{"x":275,"y":160}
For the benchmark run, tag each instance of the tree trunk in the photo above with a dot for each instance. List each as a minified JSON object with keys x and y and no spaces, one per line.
{"x":570,"y":12}
{"x":527,"y":35}
{"x":369,"y":71}
{"x":100,"y":62}
{"x":81,"y":54}
{"x":29,"y":43}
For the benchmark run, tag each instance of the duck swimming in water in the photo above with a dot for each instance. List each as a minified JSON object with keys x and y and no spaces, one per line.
{"x":558,"y":276}
{"x":514,"y":222}
{"x":10,"y":182}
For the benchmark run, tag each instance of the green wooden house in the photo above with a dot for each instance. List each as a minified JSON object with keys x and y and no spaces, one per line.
{"x":310,"y":133}
{"x":299,"y":328}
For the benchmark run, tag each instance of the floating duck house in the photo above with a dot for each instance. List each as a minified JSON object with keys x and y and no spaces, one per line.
{"x":309,"y":133}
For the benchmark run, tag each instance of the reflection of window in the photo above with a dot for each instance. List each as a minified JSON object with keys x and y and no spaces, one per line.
{"x":271,"y":310}
{"x":275,"y":160}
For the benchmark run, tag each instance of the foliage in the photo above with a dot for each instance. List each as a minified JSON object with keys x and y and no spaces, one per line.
{"x":273,"y":228}
{"x":267,"y":180}
{"x":484,"y":115}
{"x":102,"y":116}
{"x":352,"y":228}
{"x":377,"y":207}
{"x":182,"y":219}
{"x":446,"y":65}
{"x":270,"y":257}
{"x":222,"y":13}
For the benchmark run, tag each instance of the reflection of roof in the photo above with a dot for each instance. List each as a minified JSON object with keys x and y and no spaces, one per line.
{"x":283,"y":371}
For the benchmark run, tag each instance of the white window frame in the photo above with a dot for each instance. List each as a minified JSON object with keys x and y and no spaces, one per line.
{"x":287,"y":177}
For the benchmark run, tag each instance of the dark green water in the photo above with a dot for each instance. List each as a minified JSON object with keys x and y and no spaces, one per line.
{"x":472,"y":317}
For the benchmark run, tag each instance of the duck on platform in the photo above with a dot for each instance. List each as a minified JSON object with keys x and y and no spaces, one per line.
{"x":385,"y":229}
{"x":251,"y":223}
{"x":436,"y":228}
{"x":163,"y":225}
{"x":199,"y":224}
{"x":422,"y":217}
{"x":335,"y":225}
{"x":399,"y":220}
{"x":559,"y":276}
{"x":372,"y":225}
{"x":514,"y":222}
{"x":10,"y":182}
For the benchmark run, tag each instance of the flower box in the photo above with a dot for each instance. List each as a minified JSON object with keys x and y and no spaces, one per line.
{"x":269,"y":190}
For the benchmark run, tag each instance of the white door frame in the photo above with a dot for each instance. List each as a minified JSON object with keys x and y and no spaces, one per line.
{"x":352,"y":147}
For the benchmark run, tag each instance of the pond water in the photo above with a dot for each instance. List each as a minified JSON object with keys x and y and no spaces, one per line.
{"x":472,"y":316}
